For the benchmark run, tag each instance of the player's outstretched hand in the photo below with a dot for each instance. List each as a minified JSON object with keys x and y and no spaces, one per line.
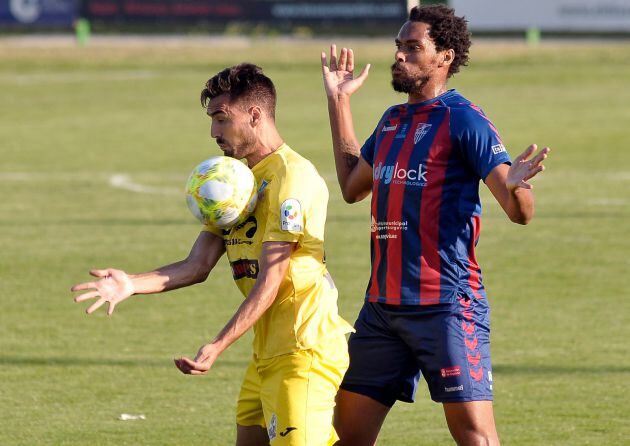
{"x":113,"y":287}
{"x":202,"y":362}
{"x":523,"y":168}
{"x":339,"y":77}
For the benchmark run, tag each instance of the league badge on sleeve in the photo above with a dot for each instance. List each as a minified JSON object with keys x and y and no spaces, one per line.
{"x":291,"y":215}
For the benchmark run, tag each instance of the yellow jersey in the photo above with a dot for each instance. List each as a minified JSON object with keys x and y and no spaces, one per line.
{"x":291,"y":207}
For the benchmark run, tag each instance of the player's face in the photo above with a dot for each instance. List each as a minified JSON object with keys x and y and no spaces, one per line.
{"x":231,"y":127}
{"x":416,"y":58}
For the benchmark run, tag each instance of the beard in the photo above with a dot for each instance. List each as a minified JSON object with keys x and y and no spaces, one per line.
{"x":245,"y":144}
{"x":403,"y":82}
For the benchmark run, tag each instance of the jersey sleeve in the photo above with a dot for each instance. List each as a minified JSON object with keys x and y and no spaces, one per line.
{"x":211,"y":229}
{"x":368,"y":149}
{"x":288,"y":200}
{"x":479,"y":141}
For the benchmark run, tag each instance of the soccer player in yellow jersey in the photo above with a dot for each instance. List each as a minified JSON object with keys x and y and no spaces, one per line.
{"x":277,"y":259}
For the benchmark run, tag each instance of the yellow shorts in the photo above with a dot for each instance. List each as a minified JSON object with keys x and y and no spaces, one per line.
{"x":293,"y":395}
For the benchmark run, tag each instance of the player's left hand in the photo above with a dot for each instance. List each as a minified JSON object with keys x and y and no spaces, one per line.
{"x":523,"y":168}
{"x":202,"y":362}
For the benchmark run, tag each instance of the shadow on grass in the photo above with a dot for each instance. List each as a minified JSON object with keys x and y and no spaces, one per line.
{"x":72,"y":361}
{"x":513,"y":369}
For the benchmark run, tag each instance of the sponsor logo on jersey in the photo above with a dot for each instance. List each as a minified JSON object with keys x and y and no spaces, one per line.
{"x":291,"y":215}
{"x":450,"y":371}
{"x":498,"y":148}
{"x":422,"y":129}
{"x":454,"y":388}
{"x":243,"y":268}
{"x":399,"y":175}
{"x":390,"y":128}
{"x":388,"y":229}
{"x":251,"y":226}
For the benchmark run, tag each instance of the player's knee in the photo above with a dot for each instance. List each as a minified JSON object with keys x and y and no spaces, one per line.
{"x":475,"y":437}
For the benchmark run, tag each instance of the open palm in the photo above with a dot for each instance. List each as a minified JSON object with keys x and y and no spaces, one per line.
{"x":113,"y":287}
{"x":523,"y":167}
{"x":339,"y":77}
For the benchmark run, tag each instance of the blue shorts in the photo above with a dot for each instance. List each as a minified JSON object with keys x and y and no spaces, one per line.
{"x":448,"y":344}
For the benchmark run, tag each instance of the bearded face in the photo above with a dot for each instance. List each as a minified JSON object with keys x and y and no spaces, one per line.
{"x":408,"y":78}
{"x":417,"y":60}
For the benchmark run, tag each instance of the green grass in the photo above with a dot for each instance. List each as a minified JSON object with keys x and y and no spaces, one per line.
{"x":71,"y":118}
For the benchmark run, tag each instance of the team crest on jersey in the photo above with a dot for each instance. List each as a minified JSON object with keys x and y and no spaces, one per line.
{"x":273,"y":427}
{"x":261,"y":189}
{"x":422,"y":129}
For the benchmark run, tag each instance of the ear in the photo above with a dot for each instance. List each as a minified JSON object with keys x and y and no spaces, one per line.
{"x":255,"y":115}
{"x":447,"y":57}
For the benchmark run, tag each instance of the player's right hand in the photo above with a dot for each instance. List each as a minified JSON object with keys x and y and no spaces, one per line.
{"x":113,"y":287}
{"x":339,"y":77}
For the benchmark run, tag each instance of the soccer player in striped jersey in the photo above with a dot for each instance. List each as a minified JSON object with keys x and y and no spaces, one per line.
{"x":425,"y":311}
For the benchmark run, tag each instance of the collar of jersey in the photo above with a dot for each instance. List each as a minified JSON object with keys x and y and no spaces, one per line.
{"x":262,"y":163}
{"x":441,"y":98}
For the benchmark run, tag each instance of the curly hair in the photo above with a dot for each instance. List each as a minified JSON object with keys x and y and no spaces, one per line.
{"x":447,"y":31}
{"x":242,"y":83}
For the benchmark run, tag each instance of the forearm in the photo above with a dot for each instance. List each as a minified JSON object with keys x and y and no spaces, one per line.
{"x":345,"y":145}
{"x":258,"y":301}
{"x":520,"y":205}
{"x":169,"y":277}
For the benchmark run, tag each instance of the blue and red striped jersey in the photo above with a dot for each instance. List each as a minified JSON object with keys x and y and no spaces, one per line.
{"x":427,"y":160}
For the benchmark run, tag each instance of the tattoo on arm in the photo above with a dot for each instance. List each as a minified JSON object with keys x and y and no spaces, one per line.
{"x":350,"y":155}
{"x":351,"y":160}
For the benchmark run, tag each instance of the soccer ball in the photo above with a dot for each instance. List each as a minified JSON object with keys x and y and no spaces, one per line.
{"x":221,"y":192}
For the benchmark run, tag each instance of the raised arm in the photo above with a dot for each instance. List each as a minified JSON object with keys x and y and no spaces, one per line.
{"x":115,"y":285}
{"x":353,"y":173}
{"x":274,"y":263}
{"x":510,"y":186}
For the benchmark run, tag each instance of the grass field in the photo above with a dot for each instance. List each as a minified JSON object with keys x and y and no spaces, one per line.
{"x":97,"y":142}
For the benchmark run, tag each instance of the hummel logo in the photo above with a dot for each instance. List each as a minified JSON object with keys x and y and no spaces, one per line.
{"x":287,"y":431}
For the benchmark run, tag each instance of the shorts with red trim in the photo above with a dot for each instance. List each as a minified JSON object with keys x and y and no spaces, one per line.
{"x":448,"y":344}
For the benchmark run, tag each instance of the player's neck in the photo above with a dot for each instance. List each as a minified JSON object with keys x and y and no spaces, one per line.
{"x":268,"y":142}
{"x":432,"y":89}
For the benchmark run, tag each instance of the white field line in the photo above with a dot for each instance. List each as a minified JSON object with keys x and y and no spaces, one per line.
{"x":122,"y":181}
{"x":77,"y":77}
{"x":125,"y":182}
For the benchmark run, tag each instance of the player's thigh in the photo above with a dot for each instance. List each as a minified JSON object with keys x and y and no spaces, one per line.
{"x":251,"y":436}
{"x":249,"y":409}
{"x":382,"y":365}
{"x":358,"y":419}
{"x":453,"y":350}
{"x":298,"y":394}
{"x":472,"y":422}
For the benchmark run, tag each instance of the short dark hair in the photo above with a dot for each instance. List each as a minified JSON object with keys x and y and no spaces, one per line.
{"x":245,"y":81}
{"x":447,"y":31}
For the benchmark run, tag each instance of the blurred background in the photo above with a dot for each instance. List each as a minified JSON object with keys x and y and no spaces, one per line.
{"x":100,"y":125}
{"x":304,"y":18}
